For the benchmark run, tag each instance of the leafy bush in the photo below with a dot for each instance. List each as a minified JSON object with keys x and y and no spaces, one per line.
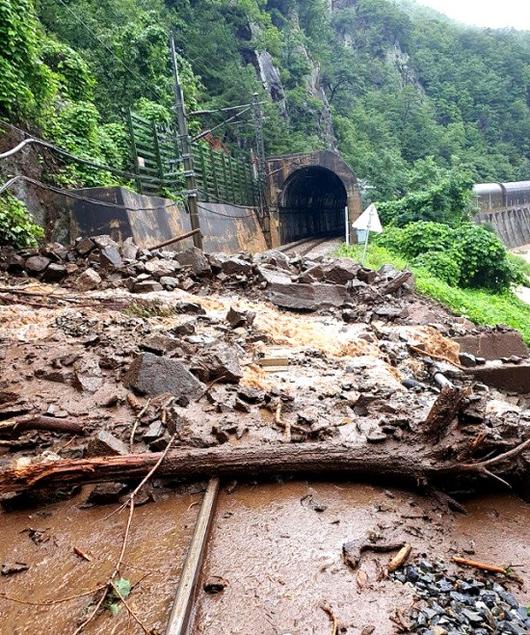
{"x":483,"y":259}
{"x":443,"y":265}
{"x":16,"y":225}
{"x":421,"y":237}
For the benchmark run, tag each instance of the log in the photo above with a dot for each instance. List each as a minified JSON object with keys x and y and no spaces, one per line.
{"x":444,"y":410}
{"x":411,"y":465}
{"x":42,"y":422}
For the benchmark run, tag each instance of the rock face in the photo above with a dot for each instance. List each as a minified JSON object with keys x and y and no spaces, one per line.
{"x":307,"y":297}
{"x":153,"y":375}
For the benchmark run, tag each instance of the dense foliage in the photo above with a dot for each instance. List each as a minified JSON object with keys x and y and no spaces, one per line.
{"x":399,"y":83}
{"x":16,"y":226}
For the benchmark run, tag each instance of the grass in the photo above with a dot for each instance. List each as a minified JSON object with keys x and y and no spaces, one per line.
{"x":482,"y":307}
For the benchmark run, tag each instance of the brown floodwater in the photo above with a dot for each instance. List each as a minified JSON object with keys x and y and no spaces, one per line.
{"x":281,"y":559}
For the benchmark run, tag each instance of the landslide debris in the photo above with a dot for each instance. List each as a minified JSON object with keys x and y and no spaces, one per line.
{"x":139,"y":345}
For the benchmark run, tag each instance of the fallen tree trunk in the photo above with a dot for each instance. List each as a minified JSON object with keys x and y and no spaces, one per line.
{"x":413,"y":465}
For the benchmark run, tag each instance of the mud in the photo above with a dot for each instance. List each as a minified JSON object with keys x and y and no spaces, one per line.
{"x":282,"y":559}
{"x":157,"y":546}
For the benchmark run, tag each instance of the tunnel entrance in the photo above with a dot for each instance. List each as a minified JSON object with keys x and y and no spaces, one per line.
{"x":311,"y":204}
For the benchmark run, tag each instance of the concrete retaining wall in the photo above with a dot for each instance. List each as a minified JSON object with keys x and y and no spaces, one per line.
{"x":512,"y":225}
{"x":150,"y":220}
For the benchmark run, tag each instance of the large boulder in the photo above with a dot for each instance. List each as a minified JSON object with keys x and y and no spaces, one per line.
{"x":153,"y":375}
{"x":340,"y":271}
{"x":195,"y":259}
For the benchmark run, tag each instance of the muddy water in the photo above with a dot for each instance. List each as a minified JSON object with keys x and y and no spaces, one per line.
{"x":158,"y":541}
{"x":280,"y":557}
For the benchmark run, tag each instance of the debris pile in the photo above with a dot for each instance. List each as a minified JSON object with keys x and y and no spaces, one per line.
{"x":455,"y":603}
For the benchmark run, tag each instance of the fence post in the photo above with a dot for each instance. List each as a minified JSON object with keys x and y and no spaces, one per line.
{"x":204,"y":173}
{"x":158,"y":157}
{"x":213,"y":163}
{"x":134,"y":152}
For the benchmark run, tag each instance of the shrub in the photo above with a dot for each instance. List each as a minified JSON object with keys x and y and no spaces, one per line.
{"x":483,"y":259}
{"x":16,"y":225}
{"x":443,"y":265}
{"x":418,"y":238}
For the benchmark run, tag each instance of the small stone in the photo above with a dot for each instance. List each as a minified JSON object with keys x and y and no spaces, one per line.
{"x":106,"y":494}
{"x":54,"y":273}
{"x":376,"y":437}
{"x":467,"y":360}
{"x":110,"y":256}
{"x":241,"y":406}
{"x":84,"y":246}
{"x":154,"y":431}
{"x":10,"y":568}
{"x":106,"y":443}
{"x":186,"y":328}
{"x":88,"y":280}
{"x":169,"y":282}
{"x":37,"y":264}
{"x":215,"y":584}
{"x":240,"y":318}
{"x":159,"y":344}
{"x":147,"y":286}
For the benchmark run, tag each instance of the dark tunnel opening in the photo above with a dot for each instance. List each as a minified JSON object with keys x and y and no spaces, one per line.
{"x":312,"y":204}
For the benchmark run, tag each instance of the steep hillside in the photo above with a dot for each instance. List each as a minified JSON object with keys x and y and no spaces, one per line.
{"x":389,"y":85}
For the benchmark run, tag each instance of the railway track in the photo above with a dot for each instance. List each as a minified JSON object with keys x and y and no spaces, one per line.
{"x":306,"y":246}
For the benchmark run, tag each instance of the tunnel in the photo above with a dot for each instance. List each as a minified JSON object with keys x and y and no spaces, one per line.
{"x":312,"y":203}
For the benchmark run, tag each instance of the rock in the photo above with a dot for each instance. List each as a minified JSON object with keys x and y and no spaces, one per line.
{"x":376,"y":437}
{"x":467,"y":360}
{"x":241,"y":406}
{"x":160,"y":444}
{"x":104,"y":240}
{"x":129,"y":251}
{"x":152,"y":375}
{"x":110,"y":256}
{"x":106,"y":494}
{"x":240,"y":318}
{"x":195,"y":259}
{"x":307,"y":297}
{"x":236,"y":266}
{"x":159,"y":344}
{"x":275,"y":258}
{"x":54,"y":273}
{"x":89,"y":280}
{"x":14,"y":262}
{"x":146,"y":286}
{"x":215,"y":584}
{"x":367,"y":275}
{"x":169,"y":282}
{"x":340,"y":271}
{"x":10,"y":568}
{"x":159,"y":267}
{"x":273,"y":276}
{"x":84,"y":246}
{"x":106,"y":443}
{"x":250,"y":395}
{"x":186,"y":328}
{"x":36,"y":264}
{"x":222,"y":360}
{"x":154,"y":431}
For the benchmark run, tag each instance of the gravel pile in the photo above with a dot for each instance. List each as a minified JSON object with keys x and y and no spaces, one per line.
{"x":452,"y":605}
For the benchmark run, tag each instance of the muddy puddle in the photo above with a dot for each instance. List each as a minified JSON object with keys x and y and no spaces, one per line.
{"x":278,"y":547}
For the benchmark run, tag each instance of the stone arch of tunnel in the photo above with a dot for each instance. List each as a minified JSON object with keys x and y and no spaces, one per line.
{"x":307,"y":195}
{"x":312,"y":203}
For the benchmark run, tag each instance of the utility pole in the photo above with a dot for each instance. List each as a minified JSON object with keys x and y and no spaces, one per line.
{"x":185,"y":146}
{"x":260,"y":149}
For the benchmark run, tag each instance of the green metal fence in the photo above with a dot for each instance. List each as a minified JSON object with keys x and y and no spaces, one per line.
{"x":220,"y":177}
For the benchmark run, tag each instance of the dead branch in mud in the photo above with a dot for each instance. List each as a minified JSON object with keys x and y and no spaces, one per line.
{"x":415,"y":465}
{"x":353,"y":550}
{"x":492,"y":568}
{"x":441,"y":358}
{"x":41,"y":422}
{"x":443,"y":411}
{"x":400,"y":558}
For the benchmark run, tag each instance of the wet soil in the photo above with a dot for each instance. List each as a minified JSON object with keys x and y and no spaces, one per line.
{"x":280,"y":557}
{"x":156,"y":549}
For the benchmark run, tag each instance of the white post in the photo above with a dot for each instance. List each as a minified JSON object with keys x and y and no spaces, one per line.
{"x":347,"y":221}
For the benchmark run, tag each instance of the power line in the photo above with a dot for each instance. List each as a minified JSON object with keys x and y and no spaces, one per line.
{"x":215,"y":213}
